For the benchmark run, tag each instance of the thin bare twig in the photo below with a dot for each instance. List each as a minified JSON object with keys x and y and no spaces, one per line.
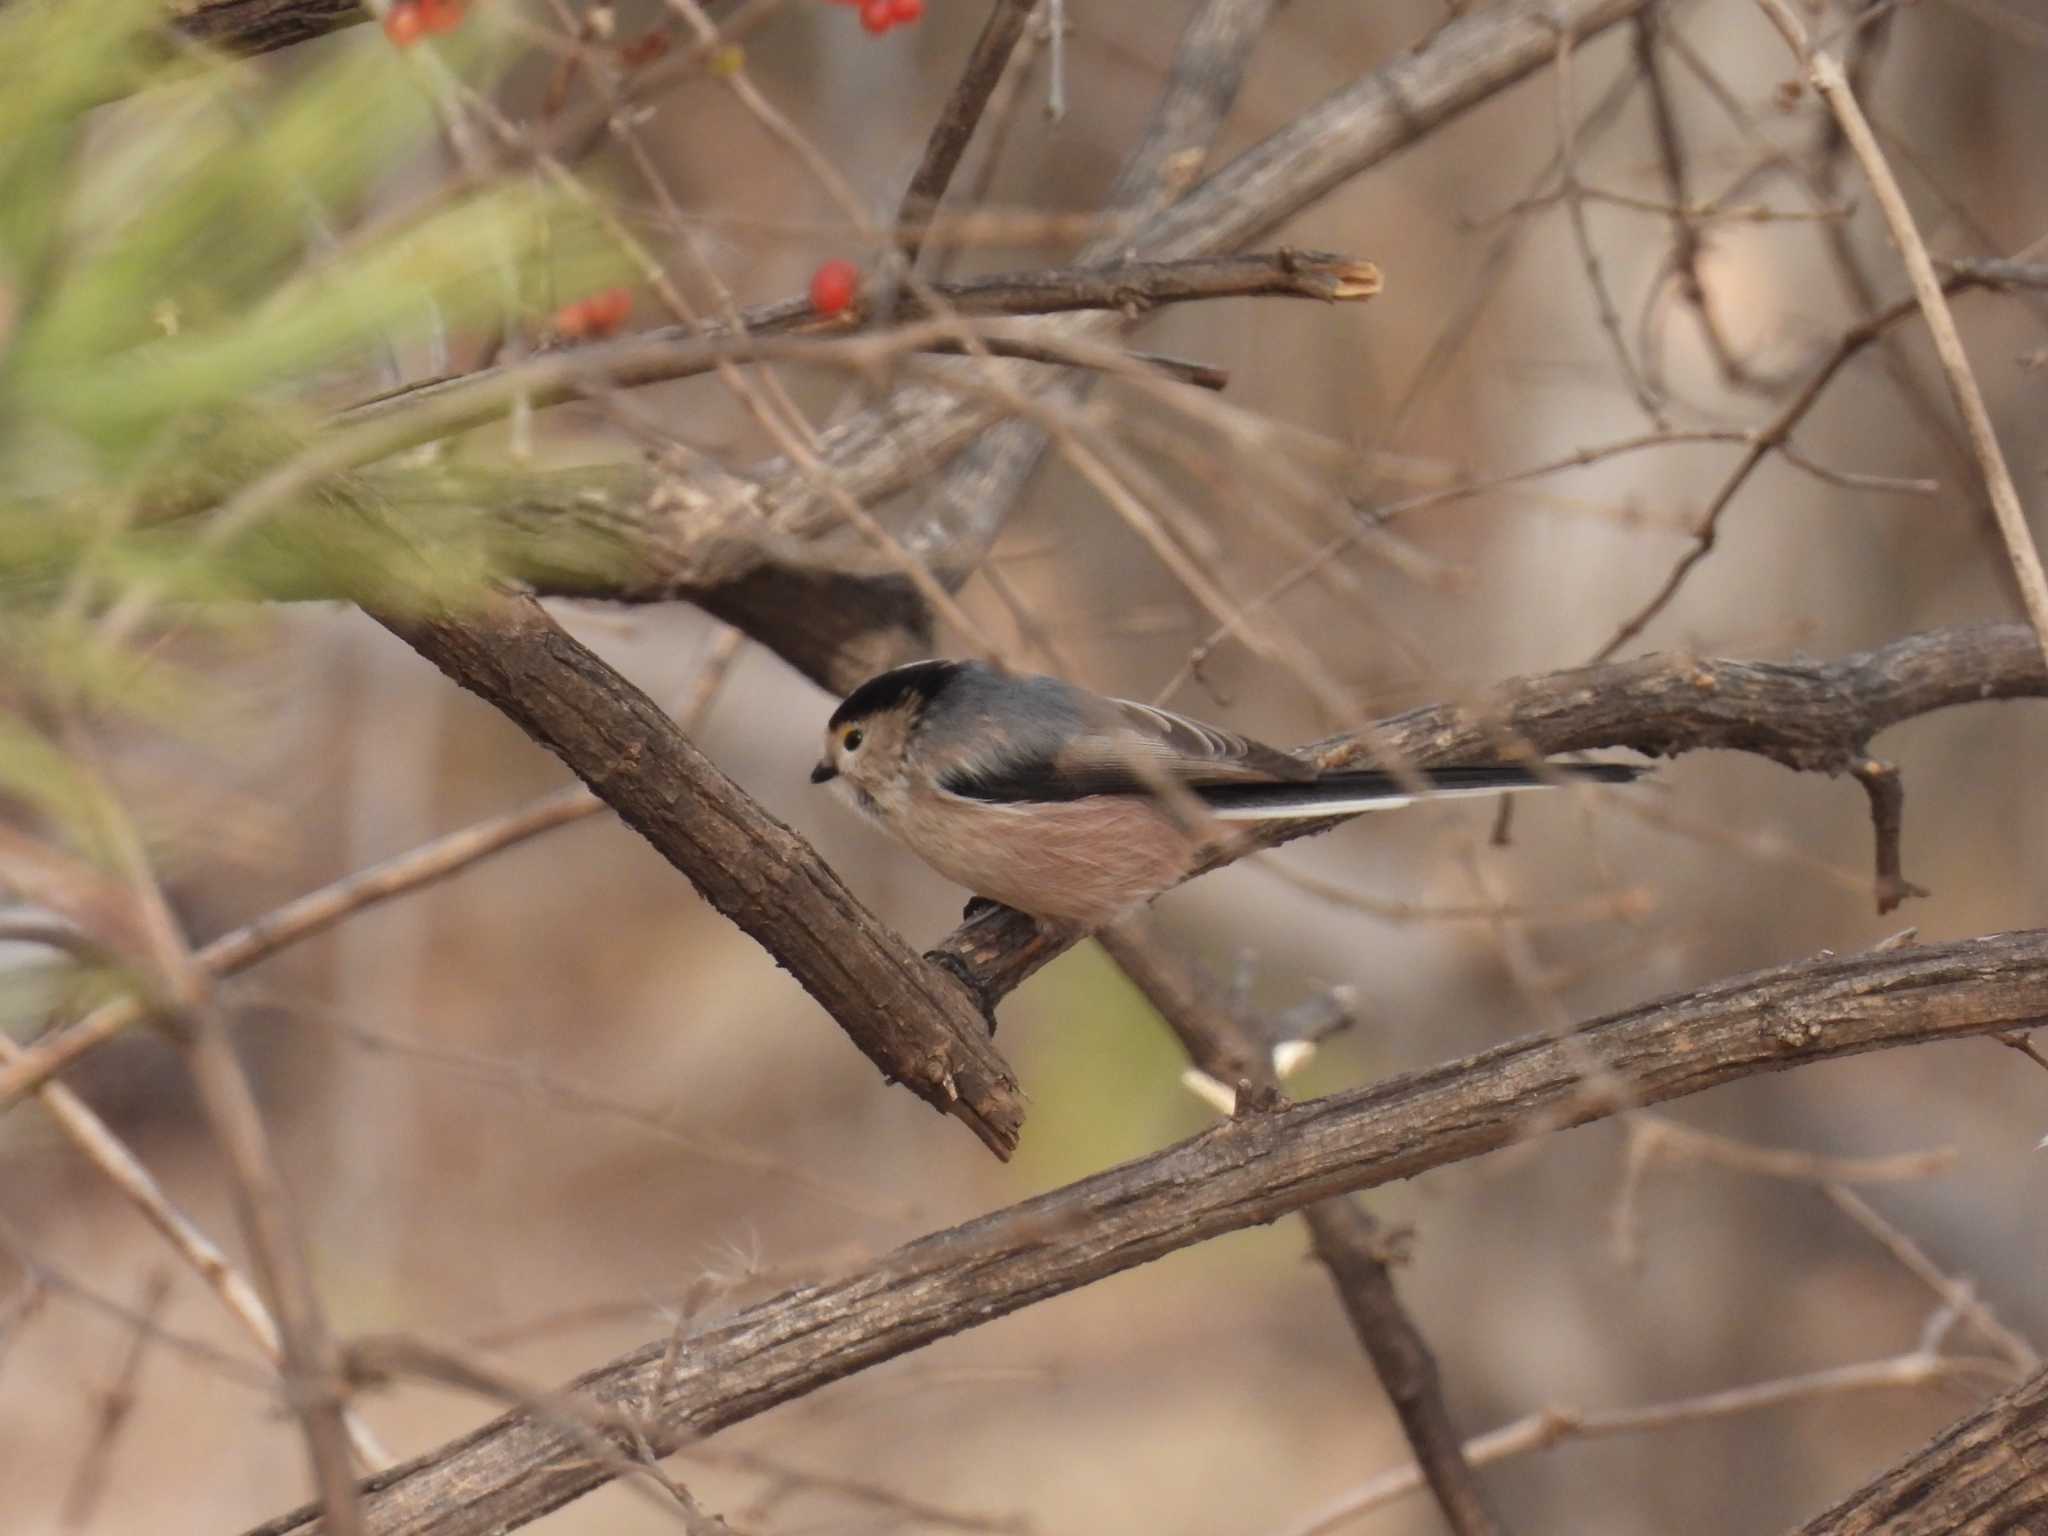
{"x":1655,"y":1139}
{"x":1959,"y":1296}
{"x":957,"y":121}
{"x":973,"y":497}
{"x":131,"y":1176}
{"x":785,"y":1479}
{"x":531,"y":1081}
{"x":1549,"y":1427}
{"x":1589,"y":256}
{"x":1687,"y":246}
{"x":181,"y":1001}
{"x":318,"y":911}
{"x":1824,"y":70}
{"x":116,"y":1403}
{"x":1344,"y":1236}
{"x":1772,"y":435}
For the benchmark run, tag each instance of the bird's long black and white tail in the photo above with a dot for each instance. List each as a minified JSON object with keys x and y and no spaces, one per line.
{"x":1344,"y":794}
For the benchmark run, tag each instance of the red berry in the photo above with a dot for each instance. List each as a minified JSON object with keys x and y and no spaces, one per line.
{"x":833,"y":286}
{"x":605,"y":312}
{"x":904,"y":12}
{"x":878,"y":16}
{"x":438,"y":16}
{"x":403,"y":24}
{"x":644,"y":49}
{"x":572,"y":321}
{"x":599,"y":314}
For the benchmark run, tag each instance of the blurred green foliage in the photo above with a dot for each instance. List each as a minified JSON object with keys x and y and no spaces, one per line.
{"x":201,"y":259}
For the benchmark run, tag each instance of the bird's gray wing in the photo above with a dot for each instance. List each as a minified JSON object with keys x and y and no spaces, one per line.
{"x":1076,"y":744}
{"x":1155,"y":741}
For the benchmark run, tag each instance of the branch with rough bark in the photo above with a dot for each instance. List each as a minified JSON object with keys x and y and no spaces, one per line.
{"x":1242,"y":1173}
{"x":914,"y":1021}
{"x":1988,"y":1472}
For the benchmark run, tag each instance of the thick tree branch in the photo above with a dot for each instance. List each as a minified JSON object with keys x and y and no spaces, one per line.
{"x":1811,"y":716}
{"x":1242,"y":1173}
{"x":1986,"y":1474}
{"x":913,"y":1021}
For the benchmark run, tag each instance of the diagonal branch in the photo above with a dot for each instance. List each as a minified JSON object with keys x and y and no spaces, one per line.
{"x":107,"y":1152}
{"x":1350,"y":1246}
{"x":126,"y":911}
{"x":912,"y":1019}
{"x":1248,"y":1171}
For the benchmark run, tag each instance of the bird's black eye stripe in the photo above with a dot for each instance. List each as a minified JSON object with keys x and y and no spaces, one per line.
{"x":852,"y":739}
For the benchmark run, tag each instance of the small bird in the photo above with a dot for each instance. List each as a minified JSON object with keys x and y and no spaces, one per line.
{"x":1077,"y":808}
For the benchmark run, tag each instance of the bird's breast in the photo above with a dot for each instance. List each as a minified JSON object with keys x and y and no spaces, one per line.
{"x":1085,"y":861}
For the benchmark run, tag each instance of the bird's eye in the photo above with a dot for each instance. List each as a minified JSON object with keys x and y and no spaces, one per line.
{"x":852,"y":739}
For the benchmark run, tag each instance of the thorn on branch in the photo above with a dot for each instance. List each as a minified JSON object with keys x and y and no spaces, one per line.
{"x":1255,"y":1100}
{"x":2022,"y":1041}
{"x":1394,"y":1246}
{"x":1880,"y":780}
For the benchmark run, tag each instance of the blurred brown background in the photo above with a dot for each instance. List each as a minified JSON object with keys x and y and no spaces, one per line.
{"x":537,"y":1106}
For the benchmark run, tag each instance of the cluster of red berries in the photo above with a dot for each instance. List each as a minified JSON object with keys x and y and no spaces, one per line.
{"x":878,"y":16}
{"x":410,"y":20}
{"x":597,"y":316}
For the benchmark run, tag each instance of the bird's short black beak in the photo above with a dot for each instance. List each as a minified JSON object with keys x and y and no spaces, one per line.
{"x":824,"y":771}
